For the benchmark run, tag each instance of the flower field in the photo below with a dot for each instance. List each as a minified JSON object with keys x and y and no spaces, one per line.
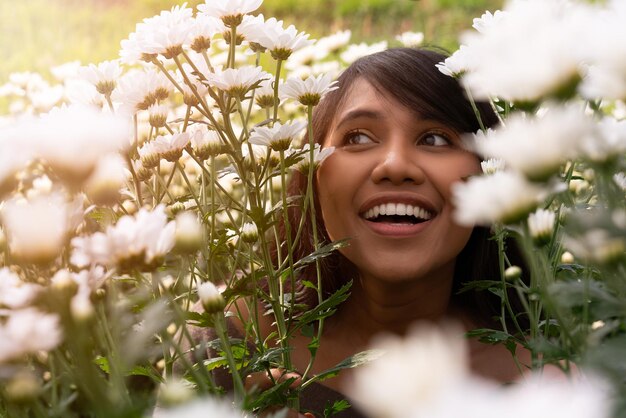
{"x":145,"y":197}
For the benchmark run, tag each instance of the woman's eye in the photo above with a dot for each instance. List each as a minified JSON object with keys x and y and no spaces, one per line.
{"x":358,"y":138}
{"x":435,"y":140}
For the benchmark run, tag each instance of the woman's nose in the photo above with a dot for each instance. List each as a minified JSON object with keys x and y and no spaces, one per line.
{"x":398,"y":164}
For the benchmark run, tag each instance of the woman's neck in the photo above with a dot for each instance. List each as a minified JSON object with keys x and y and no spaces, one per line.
{"x":377,"y":306}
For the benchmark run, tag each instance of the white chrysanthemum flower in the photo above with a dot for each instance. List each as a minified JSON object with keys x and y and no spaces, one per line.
{"x":171,"y":147}
{"x":210,"y":297}
{"x":237,"y":82}
{"x":206,"y":143}
{"x":15,"y":293}
{"x":28,"y":331}
{"x":608,"y":140}
{"x":83,"y":93}
{"x":516,"y":64}
{"x":150,"y":154}
{"x":356,"y":51}
{"x":138,"y":90}
{"x":487,"y":20}
{"x":230,"y":11}
{"x":410,"y":39}
{"x":282,"y":42}
{"x":457,"y":63}
{"x":135,"y":242}
{"x":252,"y":30}
{"x":620,"y":180}
{"x":334,"y":42}
{"x":37,"y":228}
{"x":306,"y":56}
{"x":596,"y":245}
{"x":157,"y":115}
{"x":264,"y":94}
{"x":319,"y":155}
{"x":438,"y":364}
{"x":492,"y":165}
{"x":503,"y":197}
{"x":278,"y":137}
{"x":103,"y":76}
{"x":541,"y":225}
{"x":202,"y":31}
{"x":558,"y":134}
{"x":309,"y":91}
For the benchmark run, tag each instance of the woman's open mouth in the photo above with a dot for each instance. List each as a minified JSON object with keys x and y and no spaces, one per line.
{"x":397,"y":213}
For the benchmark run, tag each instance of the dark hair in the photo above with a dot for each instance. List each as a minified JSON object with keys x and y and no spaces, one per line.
{"x":411,"y":77}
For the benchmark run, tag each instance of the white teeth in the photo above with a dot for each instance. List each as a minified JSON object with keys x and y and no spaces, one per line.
{"x":401,"y":209}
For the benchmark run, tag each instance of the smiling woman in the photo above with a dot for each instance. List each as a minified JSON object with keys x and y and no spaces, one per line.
{"x":397,"y":124}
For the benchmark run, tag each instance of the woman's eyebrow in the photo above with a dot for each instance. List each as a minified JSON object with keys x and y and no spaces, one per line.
{"x":359,"y":113}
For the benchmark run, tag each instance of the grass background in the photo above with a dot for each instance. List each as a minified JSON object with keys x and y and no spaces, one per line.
{"x":38,"y":34}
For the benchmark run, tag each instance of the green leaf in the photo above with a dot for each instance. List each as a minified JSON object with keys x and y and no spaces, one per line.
{"x":489,"y":336}
{"x":349,"y":363}
{"x":276,"y":395}
{"x":214,"y":363}
{"x":336,"y":407}
{"x":322,"y":252}
{"x":326,"y":308}
{"x":103,"y":363}
{"x":147,"y":371}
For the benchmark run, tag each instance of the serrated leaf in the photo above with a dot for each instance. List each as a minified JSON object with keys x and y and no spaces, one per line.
{"x":322,"y":252}
{"x":326,"y":308}
{"x":336,"y":407}
{"x":349,"y":363}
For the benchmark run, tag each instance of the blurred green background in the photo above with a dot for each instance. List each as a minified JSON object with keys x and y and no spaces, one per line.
{"x":38,"y":34}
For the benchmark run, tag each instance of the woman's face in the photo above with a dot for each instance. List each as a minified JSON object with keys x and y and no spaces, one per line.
{"x":387,"y":188}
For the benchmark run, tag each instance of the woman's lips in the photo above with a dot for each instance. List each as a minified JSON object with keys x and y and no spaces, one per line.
{"x":396,"y":229}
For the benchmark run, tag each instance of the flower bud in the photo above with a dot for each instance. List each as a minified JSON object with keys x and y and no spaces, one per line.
{"x":249,"y":232}
{"x":512,"y":273}
{"x":22,"y":388}
{"x":211,"y":298}
{"x":567,"y":258}
{"x":175,"y":392}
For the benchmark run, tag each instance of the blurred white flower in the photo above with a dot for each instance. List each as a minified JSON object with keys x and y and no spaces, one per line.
{"x":264,"y":94}
{"x":15,"y":293}
{"x":66,"y":71}
{"x":410,"y":39}
{"x":278,"y":137}
{"x":319,"y":155}
{"x":237,"y":82}
{"x":71,"y":140}
{"x":14,"y":154}
{"x":492,"y":165}
{"x":309,"y":91}
{"x":103,"y":76}
{"x":199,"y":407}
{"x":134,"y":242}
{"x":607,"y":32}
{"x":157,"y":115}
{"x":333,"y":43}
{"x":282,"y":42}
{"x":558,"y":134}
{"x":596,"y":245}
{"x":150,"y":154}
{"x":517,"y":64}
{"x":504,"y":197}
{"x":28,"y":331}
{"x":431,"y":360}
{"x":189,"y":234}
{"x":104,"y":185}
{"x":37,"y":228}
{"x":607,"y":141}
{"x":620,"y":180}
{"x":230,"y":11}
{"x":541,"y":225}
{"x":356,"y":51}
